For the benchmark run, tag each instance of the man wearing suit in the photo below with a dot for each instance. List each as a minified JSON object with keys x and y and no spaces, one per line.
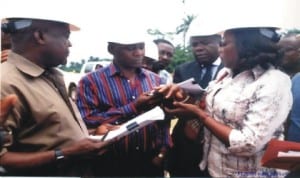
{"x":187,"y":151}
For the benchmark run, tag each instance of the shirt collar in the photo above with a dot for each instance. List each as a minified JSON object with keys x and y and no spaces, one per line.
{"x":256,"y":72}
{"x":28,"y":67}
{"x":217,"y":62}
{"x":25,"y":65}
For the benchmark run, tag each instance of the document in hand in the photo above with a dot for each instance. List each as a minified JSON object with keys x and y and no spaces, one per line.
{"x":191,"y":86}
{"x":282,"y":155}
{"x":132,"y":125}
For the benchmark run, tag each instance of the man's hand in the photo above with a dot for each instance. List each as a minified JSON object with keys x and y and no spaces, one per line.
{"x":105,"y":127}
{"x":6,"y":105}
{"x":86,"y":147}
{"x":171,"y":91}
{"x":146,"y":102}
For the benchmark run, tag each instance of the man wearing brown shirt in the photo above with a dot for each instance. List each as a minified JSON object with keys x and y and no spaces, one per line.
{"x":49,"y":136}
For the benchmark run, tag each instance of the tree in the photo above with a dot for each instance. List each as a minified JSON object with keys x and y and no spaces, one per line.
{"x":182,"y":53}
{"x":184,"y":27}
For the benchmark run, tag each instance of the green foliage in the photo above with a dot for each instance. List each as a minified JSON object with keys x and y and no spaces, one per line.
{"x":184,"y":27}
{"x":292,"y":32}
{"x":181,"y":55}
{"x":161,"y":35}
{"x":73,"y":67}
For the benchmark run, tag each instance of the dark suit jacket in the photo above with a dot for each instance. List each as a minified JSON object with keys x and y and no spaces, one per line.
{"x":186,"y":154}
{"x":188,"y":70}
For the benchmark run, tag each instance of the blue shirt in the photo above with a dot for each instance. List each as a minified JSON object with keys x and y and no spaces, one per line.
{"x":294,"y":128}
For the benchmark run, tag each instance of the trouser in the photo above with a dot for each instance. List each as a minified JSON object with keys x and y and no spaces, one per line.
{"x":132,"y":164}
{"x":70,"y":167}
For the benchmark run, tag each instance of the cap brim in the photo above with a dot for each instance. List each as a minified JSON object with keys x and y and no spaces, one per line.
{"x":73,"y":27}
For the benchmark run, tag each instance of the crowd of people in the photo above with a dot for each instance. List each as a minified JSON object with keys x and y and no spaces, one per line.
{"x":251,"y":76}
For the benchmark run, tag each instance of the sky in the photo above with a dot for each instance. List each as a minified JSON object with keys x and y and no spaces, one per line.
{"x":102,"y":20}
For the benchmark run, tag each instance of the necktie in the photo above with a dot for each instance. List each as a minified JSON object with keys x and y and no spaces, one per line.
{"x":60,"y":86}
{"x":207,"y":76}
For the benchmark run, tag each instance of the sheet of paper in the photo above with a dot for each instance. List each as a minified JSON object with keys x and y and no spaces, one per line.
{"x":289,"y":154}
{"x":191,"y":86}
{"x":134,"y":124}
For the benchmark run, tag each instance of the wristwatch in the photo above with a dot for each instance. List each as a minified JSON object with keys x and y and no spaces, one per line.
{"x":59,"y":154}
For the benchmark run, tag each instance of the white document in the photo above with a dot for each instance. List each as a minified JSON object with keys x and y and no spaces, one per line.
{"x":132,"y":125}
{"x":191,"y":86}
{"x":289,"y":154}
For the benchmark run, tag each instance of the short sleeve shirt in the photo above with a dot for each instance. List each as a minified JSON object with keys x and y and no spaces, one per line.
{"x":41,"y":120}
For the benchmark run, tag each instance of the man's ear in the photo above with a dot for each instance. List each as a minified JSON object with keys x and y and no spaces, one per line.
{"x":39,"y":37}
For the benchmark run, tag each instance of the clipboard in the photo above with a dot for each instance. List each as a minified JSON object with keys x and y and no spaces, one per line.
{"x":282,"y":155}
{"x":132,"y":125}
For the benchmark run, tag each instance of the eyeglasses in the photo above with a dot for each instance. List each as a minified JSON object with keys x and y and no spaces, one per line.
{"x":163,"y":52}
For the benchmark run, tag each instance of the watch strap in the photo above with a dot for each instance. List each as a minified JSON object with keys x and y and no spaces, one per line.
{"x":59,"y":154}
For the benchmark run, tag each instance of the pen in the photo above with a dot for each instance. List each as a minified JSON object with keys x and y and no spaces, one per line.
{"x":104,"y":136}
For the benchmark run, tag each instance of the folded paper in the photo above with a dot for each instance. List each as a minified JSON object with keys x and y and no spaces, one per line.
{"x":282,"y":155}
{"x":191,"y":86}
{"x":132,"y":125}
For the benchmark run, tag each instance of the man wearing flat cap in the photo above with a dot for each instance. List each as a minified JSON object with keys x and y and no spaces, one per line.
{"x":49,"y":137}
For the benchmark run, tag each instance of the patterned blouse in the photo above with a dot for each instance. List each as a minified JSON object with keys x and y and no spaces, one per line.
{"x":255,"y":104}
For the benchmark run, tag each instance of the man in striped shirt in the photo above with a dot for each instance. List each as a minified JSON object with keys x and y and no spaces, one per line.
{"x":116,"y":94}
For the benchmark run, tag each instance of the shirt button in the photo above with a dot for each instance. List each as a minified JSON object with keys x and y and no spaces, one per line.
{"x":116,"y":122}
{"x":133,"y":97}
{"x":137,"y":148}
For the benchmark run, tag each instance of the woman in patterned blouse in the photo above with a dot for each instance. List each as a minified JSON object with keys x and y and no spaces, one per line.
{"x":246,"y":105}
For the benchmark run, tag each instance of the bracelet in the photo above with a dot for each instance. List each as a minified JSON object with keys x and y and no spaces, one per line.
{"x":185,"y":99}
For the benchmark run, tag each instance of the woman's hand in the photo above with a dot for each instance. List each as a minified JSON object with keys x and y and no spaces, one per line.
{"x":186,"y":110}
{"x":172,"y":91}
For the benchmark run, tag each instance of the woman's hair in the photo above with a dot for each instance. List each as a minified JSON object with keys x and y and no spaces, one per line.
{"x":257,"y":46}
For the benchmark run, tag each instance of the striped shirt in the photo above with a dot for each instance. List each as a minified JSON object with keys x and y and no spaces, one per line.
{"x":106,"y":96}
